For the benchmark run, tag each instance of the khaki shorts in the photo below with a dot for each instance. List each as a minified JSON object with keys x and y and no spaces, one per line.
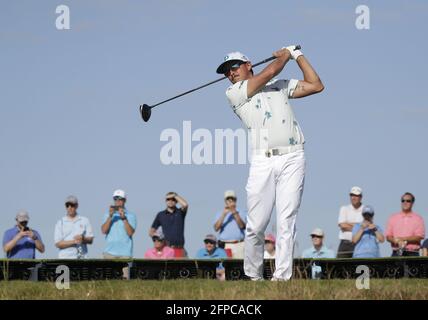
{"x":125,"y":270}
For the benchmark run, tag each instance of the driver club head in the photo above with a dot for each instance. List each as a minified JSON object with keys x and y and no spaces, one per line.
{"x":146,"y":112}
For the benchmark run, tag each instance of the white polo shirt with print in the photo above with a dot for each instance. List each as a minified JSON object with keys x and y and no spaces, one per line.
{"x":267,"y":115}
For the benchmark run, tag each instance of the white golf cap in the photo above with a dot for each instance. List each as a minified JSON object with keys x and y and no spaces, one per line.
{"x":119,"y":193}
{"x":232,"y":56}
{"x":71,"y":199}
{"x":229,"y":194}
{"x":22,"y":216}
{"x":357,"y":191}
{"x":317,"y":232}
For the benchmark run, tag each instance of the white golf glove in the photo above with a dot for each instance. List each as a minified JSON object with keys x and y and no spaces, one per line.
{"x":294,"y":53}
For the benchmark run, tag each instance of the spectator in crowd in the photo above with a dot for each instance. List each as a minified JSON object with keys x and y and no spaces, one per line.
{"x":119,"y":227}
{"x":406,"y":229}
{"x":172,"y":222}
{"x":160,"y":250}
{"x":73,"y":232}
{"x":269,"y":246}
{"x":366,"y":236}
{"x":425,"y":248}
{"x":318,"y":249}
{"x":21,"y":242}
{"x":349,"y":215}
{"x":230,"y":224}
{"x":211,"y":251}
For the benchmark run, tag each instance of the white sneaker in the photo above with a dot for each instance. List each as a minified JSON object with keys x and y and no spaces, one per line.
{"x":257,"y":279}
{"x":278,"y":279}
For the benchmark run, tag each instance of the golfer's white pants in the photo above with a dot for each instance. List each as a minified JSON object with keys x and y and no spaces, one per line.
{"x":275,"y":180}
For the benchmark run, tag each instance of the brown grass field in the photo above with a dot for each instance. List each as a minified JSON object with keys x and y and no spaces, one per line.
{"x":383,"y":289}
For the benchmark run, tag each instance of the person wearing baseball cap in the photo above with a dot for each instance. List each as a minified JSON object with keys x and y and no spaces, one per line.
{"x":230,"y":225}
{"x":21,"y":242}
{"x":211,"y":251}
{"x":318,"y":249}
{"x":349,"y":216}
{"x":277,"y":168}
{"x":366,"y":236}
{"x":160,"y":249}
{"x":73,"y":232}
{"x":119,"y":227}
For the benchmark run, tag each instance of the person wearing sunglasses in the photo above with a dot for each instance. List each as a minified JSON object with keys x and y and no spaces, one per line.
{"x":211,"y":251}
{"x":366,"y":236}
{"x":348,"y":216}
{"x":406,"y":229}
{"x":277,"y":163}
{"x":160,"y":250}
{"x":230,"y":225}
{"x":21,"y":242}
{"x":172,"y":222}
{"x":318,"y":249}
{"x":119,"y":227}
{"x":73,"y":232}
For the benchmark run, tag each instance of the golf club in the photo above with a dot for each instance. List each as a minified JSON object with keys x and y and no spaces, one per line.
{"x":146,"y":110}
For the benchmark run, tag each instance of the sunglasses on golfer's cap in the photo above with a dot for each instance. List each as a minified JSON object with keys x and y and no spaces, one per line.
{"x":118,"y":198}
{"x":209,"y":241}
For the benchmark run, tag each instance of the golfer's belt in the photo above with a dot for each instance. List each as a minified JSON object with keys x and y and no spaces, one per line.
{"x":282,"y":150}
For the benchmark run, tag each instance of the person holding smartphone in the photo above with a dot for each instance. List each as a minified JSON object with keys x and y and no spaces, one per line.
{"x":366,"y":236}
{"x":21,"y":242}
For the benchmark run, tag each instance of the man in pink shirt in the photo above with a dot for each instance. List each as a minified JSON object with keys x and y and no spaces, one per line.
{"x":405,"y":230}
{"x":160,"y":249}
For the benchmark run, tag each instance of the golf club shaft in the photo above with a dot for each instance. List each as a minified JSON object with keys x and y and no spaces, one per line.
{"x":212,"y":82}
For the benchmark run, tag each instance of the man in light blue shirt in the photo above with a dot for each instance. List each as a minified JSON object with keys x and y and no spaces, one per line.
{"x":73,"y":233}
{"x":230,"y":224}
{"x":211,"y":251}
{"x":119,"y":227}
{"x":366,"y":236}
{"x":318,"y":250}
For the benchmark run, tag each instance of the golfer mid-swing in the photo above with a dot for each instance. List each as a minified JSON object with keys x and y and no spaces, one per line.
{"x":277,"y":168}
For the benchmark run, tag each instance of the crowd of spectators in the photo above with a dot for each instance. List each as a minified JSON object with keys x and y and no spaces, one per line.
{"x":360,"y":236}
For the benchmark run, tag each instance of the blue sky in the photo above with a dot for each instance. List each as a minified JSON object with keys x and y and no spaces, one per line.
{"x":69,"y":107}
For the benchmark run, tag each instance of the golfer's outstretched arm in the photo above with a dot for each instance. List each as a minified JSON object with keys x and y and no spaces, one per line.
{"x":311,"y":82}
